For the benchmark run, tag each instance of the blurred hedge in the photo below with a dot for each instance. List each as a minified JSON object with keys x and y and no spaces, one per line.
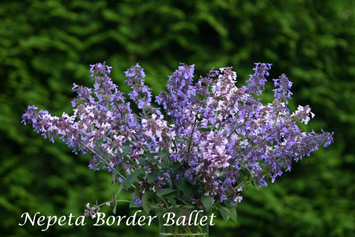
{"x":45,"y":46}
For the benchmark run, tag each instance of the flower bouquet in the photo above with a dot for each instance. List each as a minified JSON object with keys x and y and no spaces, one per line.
{"x":190,"y":151}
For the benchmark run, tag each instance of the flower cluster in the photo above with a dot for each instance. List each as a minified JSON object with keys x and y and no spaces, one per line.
{"x":205,"y":142}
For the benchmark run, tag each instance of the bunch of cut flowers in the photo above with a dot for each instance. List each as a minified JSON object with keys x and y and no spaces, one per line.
{"x":198,"y":144}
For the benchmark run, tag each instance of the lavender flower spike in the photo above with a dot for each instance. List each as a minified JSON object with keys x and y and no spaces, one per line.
{"x":140,"y":93}
{"x":283,"y":86}
{"x":258,"y":79}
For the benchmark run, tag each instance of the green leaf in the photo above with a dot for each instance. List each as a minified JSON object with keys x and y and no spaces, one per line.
{"x":153,"y":176}
{"x":154,"y":203}
{"x":114,"y":177}
{"x":118,"y":193}
{"x":207,"y":202}
{"x":119,"y":189}
{"x":233,"y":213}
{"x":132,"y":205}
{"x":150,"y":156}
{"x":97,"y":165}
{"x":246,"y":171}
{"x":182,"y":198}
{"x":184,"y":186}
{"x":114,"y":208}
{"x":142,"y":161}
{"x":242,"y":176}
{"x":126,"y":150}
{"x":130,"y":179}
{"x":225,"y":213}
{"x":253,"y":182}
{"x":171,"y":199}
{"x":162,"y":163}
{"x":176,"y":165}
{"x":98,"y":145}
{"x":163,"y":153}
{"x":145,"y":201}
{"x":228,"y":203}
{"x":137,"y":192}
{"x":159,"y":162}
{"x":114,"y":174}
{"x":164,"y":191}
{"x":97,"y":204}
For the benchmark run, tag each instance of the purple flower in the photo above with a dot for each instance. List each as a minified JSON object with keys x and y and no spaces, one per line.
{"x":137,"y":201}
{"x":140,"y":93}
{"x":258,"y":79}
{"x":214,"y":136}
{"x":100,"y":68}
{"x":283,"y":86}
{"x":302,"y":114}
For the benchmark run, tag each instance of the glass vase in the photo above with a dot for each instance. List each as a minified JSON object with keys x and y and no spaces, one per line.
{"x":182,"y":221}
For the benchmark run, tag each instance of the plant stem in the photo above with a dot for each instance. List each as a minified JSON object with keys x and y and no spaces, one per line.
{"x":167,"y":205}
{"x":122,"y":201}
{"x":106,"y":163}
{"x":192,"y":132}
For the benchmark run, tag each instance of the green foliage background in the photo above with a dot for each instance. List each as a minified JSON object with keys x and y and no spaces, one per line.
{"x":46,"y":46}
